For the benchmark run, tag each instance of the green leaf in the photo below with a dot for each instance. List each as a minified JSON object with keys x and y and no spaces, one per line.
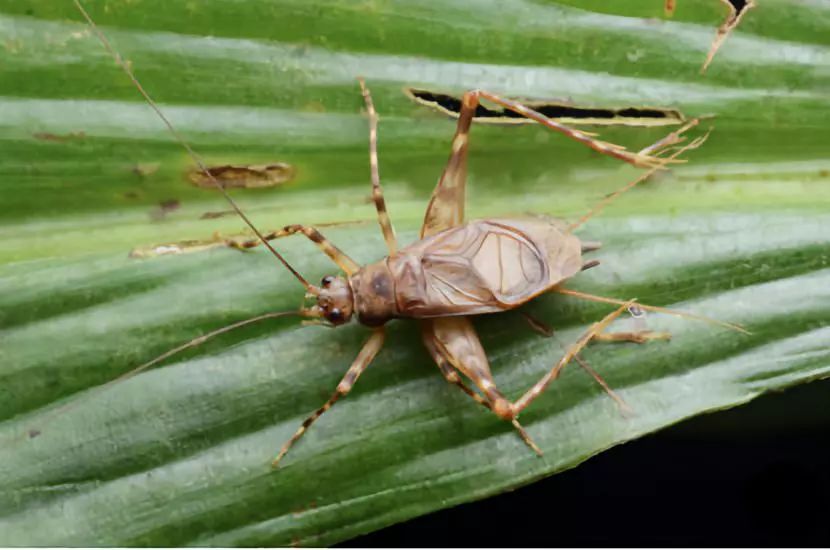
{"x":179,"y":455}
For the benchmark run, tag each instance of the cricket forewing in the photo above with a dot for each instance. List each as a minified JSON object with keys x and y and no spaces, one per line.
{"x":483,"y":266}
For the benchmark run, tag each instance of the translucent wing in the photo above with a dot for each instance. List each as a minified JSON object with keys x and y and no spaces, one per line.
{"x":484,"y":266}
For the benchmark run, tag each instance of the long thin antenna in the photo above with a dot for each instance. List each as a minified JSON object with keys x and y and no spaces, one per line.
{"x":121,"y":63}
{"x":166,"y":355}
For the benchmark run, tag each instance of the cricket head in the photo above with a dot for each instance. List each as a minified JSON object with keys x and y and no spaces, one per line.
{"x":335,"y":301}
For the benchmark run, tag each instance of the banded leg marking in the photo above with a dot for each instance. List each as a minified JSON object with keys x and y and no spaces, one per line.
{"x":452,"y":376}
{"x":606,"y":148}
{"x":377,"y":191}
{"x":364,"y":358}
{"x":546,"y":331}
{"x":339,"y":257}
{"x":540,"y":386}
{"x":446,"y":205}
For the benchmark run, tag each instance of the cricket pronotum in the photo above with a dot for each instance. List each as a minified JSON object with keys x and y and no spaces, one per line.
{"x":456,"y":269}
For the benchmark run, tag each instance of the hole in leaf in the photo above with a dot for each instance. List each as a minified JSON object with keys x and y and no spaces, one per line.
{"x":737,"y":10}
{"x":556,"y":110}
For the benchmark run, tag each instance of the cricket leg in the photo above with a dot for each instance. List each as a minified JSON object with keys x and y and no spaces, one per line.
{"x":676,"y":313}
{"x":657,"y":148}
{"x":335,"y":254}
{"x":540,"y":386}
{"x":377,"y":191}
{"x":446,"y":205}
{"x":636,"y":337}
{"x":737,"y":10}
{"x":546,"y":331}
{"x":369,"y":351}
{"x":456,"y":339}
{"x":610,"y":149}
{"x":445,"y":364}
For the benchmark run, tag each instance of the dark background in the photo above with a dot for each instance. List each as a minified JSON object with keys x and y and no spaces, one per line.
{"x":757,"y":475}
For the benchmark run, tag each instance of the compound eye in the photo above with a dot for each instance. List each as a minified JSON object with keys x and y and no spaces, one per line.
{"x":335,"y":315}
{"x":327,"y":280}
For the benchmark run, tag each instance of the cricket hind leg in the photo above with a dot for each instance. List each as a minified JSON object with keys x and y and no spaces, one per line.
{"x":545,"y":330}
{"x":385,"y":222}
{"x":456,"y":339}
{"x":454,"y":344}
{"x":670,"y":142}
{"x":657,"y":309}
{"x":364,"y":358}
{"x":445,"y":361}
{"x":635,"y":336}
{"x":446,"y":205}
{"x":336,"y":255}
{"x":642,"y":158}
{"x":536,"y":390}
{"x":592,"y":333}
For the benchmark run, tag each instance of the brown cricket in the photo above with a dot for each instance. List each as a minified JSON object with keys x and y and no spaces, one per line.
{"x":455,"y":270}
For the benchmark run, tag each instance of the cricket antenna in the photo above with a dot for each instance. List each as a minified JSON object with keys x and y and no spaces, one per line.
{"x":121,"y":63}
{"x":199,"y":340}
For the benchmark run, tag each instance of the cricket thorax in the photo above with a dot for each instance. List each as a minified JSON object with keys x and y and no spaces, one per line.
{"x":374,"y":294}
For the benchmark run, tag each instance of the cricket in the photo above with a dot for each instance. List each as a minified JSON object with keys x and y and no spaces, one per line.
{"x":457,"y":269}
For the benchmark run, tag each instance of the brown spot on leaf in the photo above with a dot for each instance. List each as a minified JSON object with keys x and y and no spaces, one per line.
{"x":299,"y":511}
{"x":164,"y":208}
{"x":59,"y":138}
{"x":170,"y":205}
{"x":218,"y":214}
{"x":243,"y":177}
